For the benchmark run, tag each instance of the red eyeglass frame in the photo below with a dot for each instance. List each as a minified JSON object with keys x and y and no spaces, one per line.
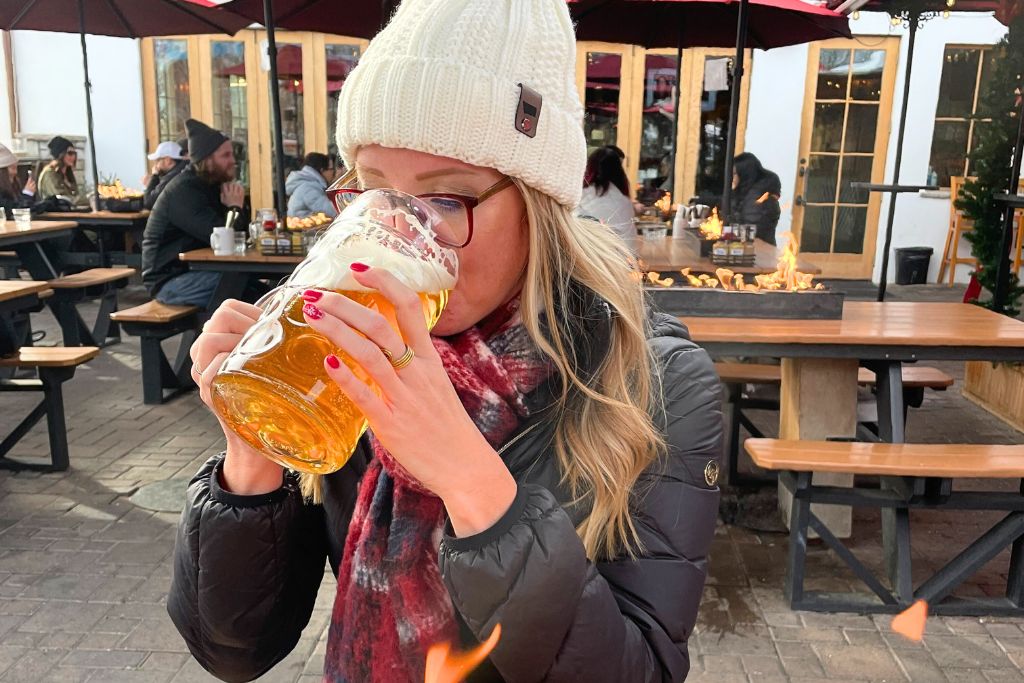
{"x":470,"y":202}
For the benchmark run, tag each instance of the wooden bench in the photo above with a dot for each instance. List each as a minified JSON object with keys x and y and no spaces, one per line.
{"x":154,"y":322}
{"x":912,"y":476}
{"x":70,"y":290}
{"x":53,"y":366}
{"x":916,"y":378}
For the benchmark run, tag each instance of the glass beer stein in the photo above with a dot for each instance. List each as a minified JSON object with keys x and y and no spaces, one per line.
{"x":272,"y":390}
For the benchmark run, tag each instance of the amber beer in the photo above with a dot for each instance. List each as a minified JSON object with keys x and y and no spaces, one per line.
{"x":273,"y":391}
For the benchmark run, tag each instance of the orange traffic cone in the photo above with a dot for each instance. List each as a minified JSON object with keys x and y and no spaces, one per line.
{"x":910,"y":622}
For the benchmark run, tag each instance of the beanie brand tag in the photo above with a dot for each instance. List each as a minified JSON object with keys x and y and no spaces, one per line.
{"x":528,"y":110}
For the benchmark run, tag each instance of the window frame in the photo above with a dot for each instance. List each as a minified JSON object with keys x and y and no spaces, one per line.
{"x":972,"y":119}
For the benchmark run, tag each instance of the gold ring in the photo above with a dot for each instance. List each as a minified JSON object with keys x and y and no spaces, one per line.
{"x":401,"y":362}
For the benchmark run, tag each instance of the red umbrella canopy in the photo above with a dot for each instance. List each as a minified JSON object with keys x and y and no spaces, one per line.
{"x":122,"y":18}
{"x":704,"y":23}
{"x":356,"y":18}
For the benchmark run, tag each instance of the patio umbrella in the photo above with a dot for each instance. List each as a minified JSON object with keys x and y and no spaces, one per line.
{"x":744,"y":24}
{"x":913,"y":13}
{"x":118,"y":18}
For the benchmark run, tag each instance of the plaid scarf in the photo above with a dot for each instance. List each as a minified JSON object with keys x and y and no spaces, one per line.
{"x":391,"y":604}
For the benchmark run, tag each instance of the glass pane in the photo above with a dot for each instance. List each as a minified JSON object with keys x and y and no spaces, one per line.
{"x":861,"y":124}
{"x":172,"y":90}
{"x":855,"y":170}
{"x":658,"y":124}
{"x":827,"y":133}
{"x":601,"y":103}
{"x":714,"y":120}
{"x":959,"y":78}
{"x":341,"y":59}
{"x":290,"y":90}
{"x":228,"y":91}
{"x":867,"y":75}
{"x":833,"y":74}
{"x":991,"y":57}
{"x":821,"y":179}
{"x":850,"y":224}
{"x":816,"y":235}
{"x":949,"y":147}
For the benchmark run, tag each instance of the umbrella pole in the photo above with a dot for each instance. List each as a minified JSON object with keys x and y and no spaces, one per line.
{"x":1003,"y":268}
{"x":734,"y":108}
{"x":88,"y":108}
{"x":883,"y":279}
{"x":281,"y":202}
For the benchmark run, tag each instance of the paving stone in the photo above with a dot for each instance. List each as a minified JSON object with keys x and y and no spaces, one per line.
{"x":60,"y":615}
{"x":722,"y":663}
{"x":856,"y":661}
{"x":104,"y":659}
{"x":919,"y":666}
{"x":967,"y":652}
{"x":1003,"y":676}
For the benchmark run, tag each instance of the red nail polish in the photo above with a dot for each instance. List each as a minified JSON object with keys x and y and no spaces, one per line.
{"x":312,"y":312}
{"x":359,"y":267}
{"x":333,"y":361}
{"x":312,"y":295}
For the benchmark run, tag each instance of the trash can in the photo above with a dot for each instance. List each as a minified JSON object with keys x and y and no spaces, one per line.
{"x":912,"y":265}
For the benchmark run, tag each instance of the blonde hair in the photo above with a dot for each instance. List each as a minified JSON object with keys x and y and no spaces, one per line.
{"x":605,"y":436}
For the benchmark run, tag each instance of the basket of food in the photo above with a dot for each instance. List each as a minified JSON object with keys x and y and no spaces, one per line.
{"x":117,"y":198}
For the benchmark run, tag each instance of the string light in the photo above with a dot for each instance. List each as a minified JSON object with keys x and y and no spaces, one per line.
{"x":856,"y":15}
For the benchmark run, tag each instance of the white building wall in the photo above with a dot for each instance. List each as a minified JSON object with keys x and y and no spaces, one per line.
{"x":51,"y":96}
{"x":776,"y":106}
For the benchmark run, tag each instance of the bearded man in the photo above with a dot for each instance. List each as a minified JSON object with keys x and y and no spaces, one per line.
{"x":185,"y":214}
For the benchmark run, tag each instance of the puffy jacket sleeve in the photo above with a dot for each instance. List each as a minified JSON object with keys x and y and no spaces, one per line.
{"x":565,"y":618}
{"x":246,"y":574}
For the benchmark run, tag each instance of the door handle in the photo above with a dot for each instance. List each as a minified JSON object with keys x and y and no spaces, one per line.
{"x":799,"y":201}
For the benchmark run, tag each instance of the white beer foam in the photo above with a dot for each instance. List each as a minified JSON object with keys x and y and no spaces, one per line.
{"x":349,"y":241}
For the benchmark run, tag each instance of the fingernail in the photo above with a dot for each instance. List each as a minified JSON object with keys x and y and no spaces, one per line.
{"x":359,"y":267}
{"x":312,"y":295}
{"x":312,"y":311}
{"x":333,"y":361}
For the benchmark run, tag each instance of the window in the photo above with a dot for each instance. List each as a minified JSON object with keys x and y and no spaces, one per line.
{"x":172,"y":89}
{"x":228,"y":93}
{"x":341,"y":59}
{"x":965,"y":71}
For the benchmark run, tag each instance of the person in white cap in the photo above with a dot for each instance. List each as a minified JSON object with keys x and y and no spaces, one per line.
{"x":168,"y":162}
{"x":546,"y":459}
{"x":12,"y":194}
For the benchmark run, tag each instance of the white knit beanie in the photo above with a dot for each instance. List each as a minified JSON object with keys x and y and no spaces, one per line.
{"x":7,"y":157}
{"x":444,"y":78}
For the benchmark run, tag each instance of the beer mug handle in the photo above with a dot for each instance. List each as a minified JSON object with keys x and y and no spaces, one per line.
{"x":213,"y":241}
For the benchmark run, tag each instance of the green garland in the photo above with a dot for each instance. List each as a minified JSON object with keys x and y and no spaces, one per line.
{"x":990,"y":164}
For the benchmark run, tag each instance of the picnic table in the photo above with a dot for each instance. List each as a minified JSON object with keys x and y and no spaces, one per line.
{"x":117,"y":235}
{"x":238,"y":271}
{"x":820,"y":359}
{"x":667,"y":255}
{"x":18,"y":297}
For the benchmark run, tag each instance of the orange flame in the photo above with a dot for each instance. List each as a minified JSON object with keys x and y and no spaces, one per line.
{"x":664,"y":205}
{"x":785,"y":278}
{"x":712,"y":227}
{"x":444,"y":666}
{"x":910,"y":622}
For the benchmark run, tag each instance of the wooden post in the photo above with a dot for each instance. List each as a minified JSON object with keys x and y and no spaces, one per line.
{"x":818,"y":402}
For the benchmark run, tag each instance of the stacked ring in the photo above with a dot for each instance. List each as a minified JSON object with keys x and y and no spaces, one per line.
{"x":401,"y":362}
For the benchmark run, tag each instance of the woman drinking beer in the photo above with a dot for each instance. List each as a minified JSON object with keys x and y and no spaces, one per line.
{"x":545,"y":458}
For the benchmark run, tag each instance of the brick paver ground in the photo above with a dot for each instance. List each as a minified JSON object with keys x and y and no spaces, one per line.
{"x":84,"y":572}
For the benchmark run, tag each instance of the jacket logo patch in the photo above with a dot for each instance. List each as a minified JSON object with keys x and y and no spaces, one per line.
{"x":711,"y":472}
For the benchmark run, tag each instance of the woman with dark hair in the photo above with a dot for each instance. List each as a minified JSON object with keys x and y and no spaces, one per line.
{"x":606,"y":192}
{"x":755,"y":196}
{"x":307,"y":187}
{"x":12,"y":194}
{"x":58,"y":176}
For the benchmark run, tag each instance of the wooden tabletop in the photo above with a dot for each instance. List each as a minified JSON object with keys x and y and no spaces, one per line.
{"x":872,"y":323}
{"x":10,"y":229}
{"x":13,"y":289}
{"x":97,"y":215}
{"x":251,"y":256}
{"x":667,"y":255}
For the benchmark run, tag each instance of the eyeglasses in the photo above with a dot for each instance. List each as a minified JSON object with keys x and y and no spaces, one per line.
{"x":455,"y":210}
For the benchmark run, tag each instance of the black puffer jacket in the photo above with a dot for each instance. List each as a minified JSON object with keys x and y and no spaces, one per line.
{"x":158,"y":182}
{"x":247,"y":569}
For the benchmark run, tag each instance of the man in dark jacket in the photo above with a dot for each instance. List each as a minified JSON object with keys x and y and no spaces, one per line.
{"x":755,"y":197}
{"x":247,"y":568}
{"x":185,"y":214}
{"x":168,"y":161}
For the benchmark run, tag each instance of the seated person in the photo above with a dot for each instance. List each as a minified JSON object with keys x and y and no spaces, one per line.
{"x":606,"y":192}
{"x":306,"y":188}
{"x":57,"y":178}
{"x":12,"y":194}
{"x":185,"y":214}
{"x":168,"y":161}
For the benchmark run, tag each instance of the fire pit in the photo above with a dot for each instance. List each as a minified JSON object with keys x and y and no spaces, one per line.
{"x":786,"y":293}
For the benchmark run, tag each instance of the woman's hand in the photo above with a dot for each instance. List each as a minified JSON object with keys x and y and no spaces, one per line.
{"x":418,"y":417}
{"x":245,"y":471}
